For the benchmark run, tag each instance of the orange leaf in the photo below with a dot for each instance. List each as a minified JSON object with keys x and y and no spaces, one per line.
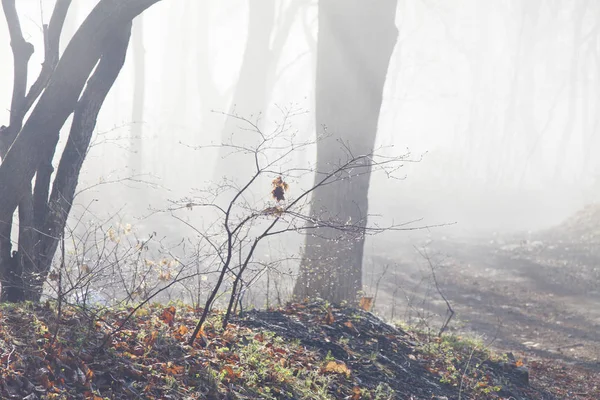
{"x":337,"y":368}
{"x":180,"y":332}
{"x":151,"y":339}
{"x":356,"y":394}
{"x":229,"y":372}
{"x":329,"y":319}
{"x":172,"y":369}
{"x":519,"y":363}
{"x":168,"y":315}
{"x":348,"y":324}
{"x":366,"y":303}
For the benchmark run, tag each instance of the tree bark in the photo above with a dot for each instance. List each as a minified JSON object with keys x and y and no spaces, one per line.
{"x":355,"y":44}
{"x":16,"y":266}
{"x":60,"y":98}
{"x":84,"y":122}
{"x":28,"y":149}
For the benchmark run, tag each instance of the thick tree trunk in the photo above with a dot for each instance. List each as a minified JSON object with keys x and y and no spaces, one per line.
{"x":103,"y":36}
{"x":60,"y":97}
{"x":16,"y":268}
{"x":356,"y":41}
{"x":84,"y":122}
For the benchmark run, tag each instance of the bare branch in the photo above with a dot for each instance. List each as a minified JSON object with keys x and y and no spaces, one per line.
{"x":52,"y":33}
{"x":22,"y":51}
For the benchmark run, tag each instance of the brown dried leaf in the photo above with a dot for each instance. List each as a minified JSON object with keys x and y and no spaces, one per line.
{"x":168,"y":315}
{"x":329,"y":319}
{"x":180,"y":332}
{"x":229,"y":373}
{"x":279,"y":189}
{"x":366,"y":303}
{"x":337,"y":367}
{"x":172,"y":369}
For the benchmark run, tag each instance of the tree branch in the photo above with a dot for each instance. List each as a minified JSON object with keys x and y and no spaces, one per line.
{"x":84,"y":122}
{"x":22,"y":51}
{"x":57,"y":102}
{"x":51,"y":52}
{"x":51,"y":56}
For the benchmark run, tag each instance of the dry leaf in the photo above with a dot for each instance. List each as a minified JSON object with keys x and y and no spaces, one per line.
{"x":151,"y":338}
{"x":168,"y":315}
{"x":366,"y":303}
{"x":229,"y":373}
{"x":356,"y":393}
{"x":180,"y":332}
{"x":329,"y":319}
{"x":337,"y":368}
{"x":519,"y":363}
{"x":172,"y":369}
{"x":164,"y":276}
{"x":276,"y":211}
{"x":279,"y":189}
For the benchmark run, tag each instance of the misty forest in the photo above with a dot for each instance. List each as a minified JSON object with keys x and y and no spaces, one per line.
{"x":300,"y":199}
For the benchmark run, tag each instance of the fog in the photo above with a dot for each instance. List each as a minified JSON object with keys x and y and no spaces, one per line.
{"x":495,"y":101}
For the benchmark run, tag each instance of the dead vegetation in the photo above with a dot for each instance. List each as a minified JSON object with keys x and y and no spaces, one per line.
{"x":301,"y":351}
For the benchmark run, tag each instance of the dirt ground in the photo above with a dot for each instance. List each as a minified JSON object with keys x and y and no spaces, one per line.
{"x":536,"y":294}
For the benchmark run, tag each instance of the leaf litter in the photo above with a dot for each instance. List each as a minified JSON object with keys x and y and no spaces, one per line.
{"x":305,"y":350}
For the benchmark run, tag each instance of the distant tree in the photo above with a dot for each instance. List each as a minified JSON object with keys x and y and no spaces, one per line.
{"x":139,"y":95}
{"x":267,"y":33}
{"x":92,"y":59}
{"x":355,"y":42}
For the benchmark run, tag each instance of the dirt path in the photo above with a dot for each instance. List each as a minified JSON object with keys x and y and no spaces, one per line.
{"x":531,"y":296}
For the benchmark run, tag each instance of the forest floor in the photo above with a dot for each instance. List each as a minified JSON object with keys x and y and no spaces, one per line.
{"x":301,"y":351}
{"x":526,"y":327}
{"x":536,"y":294}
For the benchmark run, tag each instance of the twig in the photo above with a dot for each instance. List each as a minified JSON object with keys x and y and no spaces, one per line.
{"x":450,"y":311}
{"x":383,"y":273}
{"x":462,"y":377}
{"x":60,"y":294}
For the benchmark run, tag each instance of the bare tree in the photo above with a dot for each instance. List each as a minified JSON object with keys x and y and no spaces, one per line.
{"x":139,"y":94}
{"x":92,"y":59}
{"x":268,"y":31}
{"x":355,"y":44}
{"x":246,"y":221}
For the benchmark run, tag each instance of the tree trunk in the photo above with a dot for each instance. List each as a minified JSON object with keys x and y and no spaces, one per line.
{"x":84,"y":122}
{"x":249,"y":97}
{"x":264,"y":44}
{"x":103,"y":37}
{"x":580,"y":9}
{"x":356,"y":41}
{"x":139,"y":94}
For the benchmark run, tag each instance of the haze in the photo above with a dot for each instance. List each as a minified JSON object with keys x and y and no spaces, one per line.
{"x":499,"y":96}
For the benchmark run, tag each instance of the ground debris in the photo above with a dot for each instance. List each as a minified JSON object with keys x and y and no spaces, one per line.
{"x":306,"y":350}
